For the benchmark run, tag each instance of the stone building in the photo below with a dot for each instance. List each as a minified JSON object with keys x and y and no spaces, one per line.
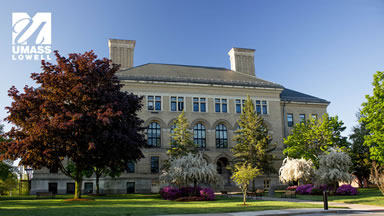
{"x":212,"y":98}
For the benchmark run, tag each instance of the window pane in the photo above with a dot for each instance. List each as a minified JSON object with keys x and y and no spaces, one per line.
{"x":130,"y":167}
{"x":202,"y":107}
{"x":265,"y":110}
{"x":202,"y":99}
{"x":150,"y":97}
{"x":173,"y":98}
{"x":195,"y":107}
{"x":196,"y":99}
{"x":158,"y":105}
{"x":224,"y":108}
{"x":150,"y":105}
{"x":257,"y":102}
{"x":154,"y":164}
{"x":238,"y":108}
{"x":290,"y":120}
{"x":258,"y":109}
{"x":217,"y":107}
{"x":158,"y":98}
{"x":173,"y":106}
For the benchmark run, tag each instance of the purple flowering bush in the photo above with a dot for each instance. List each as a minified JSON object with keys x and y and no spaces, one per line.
{"x":304,"y":189}
{"x":346,"y":189}
{"x":207,"y":193}
{"x":171,"y":193}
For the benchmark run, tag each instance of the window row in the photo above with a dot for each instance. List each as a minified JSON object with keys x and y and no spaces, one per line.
{"x":302,"y":118}
{"x":200,"y":104}
{"x":199,"y":135}
{"x":155,"y":165}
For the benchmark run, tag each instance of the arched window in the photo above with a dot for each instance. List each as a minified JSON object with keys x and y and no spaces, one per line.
{"x":154,"y":135}
{"x":221,"y":136}
{"x":199,"y":135}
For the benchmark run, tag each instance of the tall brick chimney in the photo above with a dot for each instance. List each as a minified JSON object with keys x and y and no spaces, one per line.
{"x":242,"y":60}
{"x":121,"y":52}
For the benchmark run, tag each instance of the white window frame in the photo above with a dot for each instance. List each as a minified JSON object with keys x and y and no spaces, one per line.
{"x":177,"y":103}
{"x":199,"y":102}
{"x":221,"y":104}
{"x":154,"y":103}
{"x":242,"y":103}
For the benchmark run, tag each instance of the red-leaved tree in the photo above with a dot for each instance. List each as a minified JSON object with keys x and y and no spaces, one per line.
{"x":78,"y":115}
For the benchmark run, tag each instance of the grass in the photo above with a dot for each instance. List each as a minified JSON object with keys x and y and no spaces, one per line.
{"x":132,"y":204}
{"x":366,"y":196}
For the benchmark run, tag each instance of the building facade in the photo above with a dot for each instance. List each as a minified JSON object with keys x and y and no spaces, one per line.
{"x":212,"y":99}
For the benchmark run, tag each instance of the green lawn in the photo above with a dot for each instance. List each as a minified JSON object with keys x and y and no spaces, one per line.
{"x":131,"y":204}
{"x":371,"y":196}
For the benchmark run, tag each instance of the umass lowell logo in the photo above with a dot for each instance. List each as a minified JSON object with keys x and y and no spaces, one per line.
{"x":31,"y":36}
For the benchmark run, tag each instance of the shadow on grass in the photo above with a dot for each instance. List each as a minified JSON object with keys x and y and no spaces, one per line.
{"x":135,"y":205}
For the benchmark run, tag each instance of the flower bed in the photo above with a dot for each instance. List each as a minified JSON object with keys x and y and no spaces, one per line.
{"x":310,"y":189}
{"x":187,"y":194}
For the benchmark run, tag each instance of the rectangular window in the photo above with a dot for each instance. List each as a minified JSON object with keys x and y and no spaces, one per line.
{"x":239,"y":104}
{"x":258,"y":107}
{"x":267,"y":183}
{"x":131,"y":167}
{"x":52,"y":187}
{"x":261,"y":107}
{"x":130,"y":187}
{"x":177,"y":103}
{"x":88,"y":188}
{"x":302,"y":118}
{"x":290,"y":119}
{"x":155,"y":164}
{"x":265,"y":107}
{"x":154,"y":103}
{"x":199,"y":104}
{"x":173,"y":103}
{"x":314,"y":116}
{"x":221,"y":105}
{"x":70,"y":188}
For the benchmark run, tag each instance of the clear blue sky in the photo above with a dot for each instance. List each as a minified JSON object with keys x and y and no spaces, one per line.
{"x":326,"y":48}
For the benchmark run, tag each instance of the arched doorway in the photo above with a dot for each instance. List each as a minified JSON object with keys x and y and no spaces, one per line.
{"x":222,"y":164}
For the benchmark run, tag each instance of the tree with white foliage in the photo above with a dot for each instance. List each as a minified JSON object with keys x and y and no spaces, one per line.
{"x":333,"y":168}
{"x":191,"y":169}
{"x":299,"y":170}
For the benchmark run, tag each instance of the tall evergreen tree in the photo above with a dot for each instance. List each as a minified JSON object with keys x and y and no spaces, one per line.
{"x":359,"y":153}
{"x":181,"y":138}
{"x":253,"y":141}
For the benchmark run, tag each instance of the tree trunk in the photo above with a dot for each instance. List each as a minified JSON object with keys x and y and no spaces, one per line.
{"x":97,"y":184}
{"x":78,"y":183}
{"x":245,"y":195}
{"x":195,"y":187}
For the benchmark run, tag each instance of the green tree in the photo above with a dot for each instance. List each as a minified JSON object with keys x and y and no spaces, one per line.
{"x":77,"y":113}
{"x":253,"y":141}
{"x":181,"y":138}
{"x":360,"y":154}
{"x":373,"y":118}
{"x":243,"y":174}
{"x":310,"y":139}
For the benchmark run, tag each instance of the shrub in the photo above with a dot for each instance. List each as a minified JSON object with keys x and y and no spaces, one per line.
{"x":346,"y":189}
{"x":207,"y":194}
{"x":191,"y":198}
{"x":316,"y":191}
{"x":171,"y":193}
{"x":304,"y":189}
{"x":294,"y":187}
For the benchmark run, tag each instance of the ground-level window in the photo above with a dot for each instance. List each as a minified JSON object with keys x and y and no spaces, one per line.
{"x":155,"y":164}
{"x":221,"y":136}
{"x":52,"y":187}
{"x":267,"y":183}
{"x":70,"y":188}
{"x":88,"y":187}
{"x":130,"y":187}
{"x":314,"y":116}
{"x":290,"y":119}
